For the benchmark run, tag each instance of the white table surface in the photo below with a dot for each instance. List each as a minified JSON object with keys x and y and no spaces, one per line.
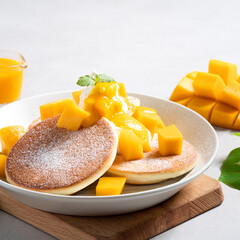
{"x":148,"y":45}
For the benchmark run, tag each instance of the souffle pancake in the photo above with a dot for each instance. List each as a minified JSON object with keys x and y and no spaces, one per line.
{"x":55,"y":160}
{"x":153,"y":167}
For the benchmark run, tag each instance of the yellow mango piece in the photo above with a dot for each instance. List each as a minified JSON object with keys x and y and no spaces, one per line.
{"x":76,"y":96}
{"x":60,"y":105}
{"x":170,"y":141}
{"x":9,"y":136}
{"x":110,"y":186}
{"x":208,"y":85}
{"x":123,"y":120}
{"x":227,"y":71}
{"x":149,"y":118}
{"x":46,"y":111}
{"x":72,"y":117}
{"x":130,"y":145}
{"x":122,"y":90}
{"x":183,"y":90}
{"x":238,"y":79}
{"x":192,"y":75}
{"x":91,"y":119}
{"x":106,"y":99}
{"x":231,"y":95}
{"x":203,"y":106}
{"x":236,"y":124}
{"x":184,"y":101}
{"x":3,"y":160}
{"x":223,"y":115}
{"x":53,"y":108}
{"x":107,"y":109}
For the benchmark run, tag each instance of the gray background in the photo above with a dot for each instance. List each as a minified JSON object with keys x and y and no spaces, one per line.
{"x":148,"y":45}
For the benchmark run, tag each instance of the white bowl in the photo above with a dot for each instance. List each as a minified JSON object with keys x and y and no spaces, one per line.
{"x":195,"y":129}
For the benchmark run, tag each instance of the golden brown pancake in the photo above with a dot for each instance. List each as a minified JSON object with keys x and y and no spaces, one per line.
{"x":153,"y":167}
{"x":55,"y":160}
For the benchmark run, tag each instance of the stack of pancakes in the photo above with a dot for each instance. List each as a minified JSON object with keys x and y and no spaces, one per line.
{"x":55,"y":160}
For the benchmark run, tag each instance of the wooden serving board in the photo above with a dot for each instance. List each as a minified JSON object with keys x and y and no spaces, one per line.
{"x":199,"y":196}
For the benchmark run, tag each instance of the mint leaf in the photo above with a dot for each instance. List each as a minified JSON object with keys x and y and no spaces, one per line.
{"x":103,"y":78}
{"x":230,"y":174}
{"x":236,"y":134}
{"x":85,"y":81}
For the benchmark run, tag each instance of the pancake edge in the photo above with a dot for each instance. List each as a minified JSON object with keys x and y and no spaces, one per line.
{"x":151,"y":178}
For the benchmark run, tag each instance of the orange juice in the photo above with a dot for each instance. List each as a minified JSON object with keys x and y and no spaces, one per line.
{"x":11,"y":77}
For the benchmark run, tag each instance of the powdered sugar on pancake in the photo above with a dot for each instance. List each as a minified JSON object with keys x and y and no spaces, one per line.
{"x":48,"y":157}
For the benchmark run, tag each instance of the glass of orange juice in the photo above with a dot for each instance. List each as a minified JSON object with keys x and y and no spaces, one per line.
{"x":12,"y":65}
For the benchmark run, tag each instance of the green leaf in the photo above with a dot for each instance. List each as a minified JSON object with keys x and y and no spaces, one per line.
{"x":236,"y":134}
{"x":103,"y":78}
{"x":86,"y":81}
{"x":230,"y":174}
{"x":92,"y":80}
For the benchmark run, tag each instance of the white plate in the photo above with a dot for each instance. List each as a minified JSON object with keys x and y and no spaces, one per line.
{"x":195,"y":129}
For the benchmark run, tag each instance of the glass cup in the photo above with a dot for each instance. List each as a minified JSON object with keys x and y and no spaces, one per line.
{"x":12,"y":65}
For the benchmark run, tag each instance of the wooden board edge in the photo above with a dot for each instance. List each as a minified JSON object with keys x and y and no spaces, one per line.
{"x":144,"y":230}
{"x":148,"y":230}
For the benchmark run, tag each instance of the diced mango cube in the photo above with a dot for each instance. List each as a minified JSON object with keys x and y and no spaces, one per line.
{"x":130,"y":145}
{"x":3,"y":160}
{"x":184,"y":101}
{"x":9,"y":136}
{"x":91,"y":119}
{"x":110,"y":186}
{"x":236,"y":124}
{"x":203,"y":106}
{"x":223,"y":115}
{"x":54,"y":108}
{"x":227,"y":71}
{"x":231,"y":95}
{"x":76,"y":96}
{"x":149,"y":118}
{"x":60,"y":105}
{"x":184,"y":89}
{"x":123,"y":120}
{"x":122,"y":90}
{"x":192,"y":75}
{"x":170,"y":141}
{"x":208,"y":85}
{"x":46,"y":111}
{"x":72,"y":117}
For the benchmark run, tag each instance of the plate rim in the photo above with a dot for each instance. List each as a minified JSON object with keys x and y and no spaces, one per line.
{"x":166,"y":188}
